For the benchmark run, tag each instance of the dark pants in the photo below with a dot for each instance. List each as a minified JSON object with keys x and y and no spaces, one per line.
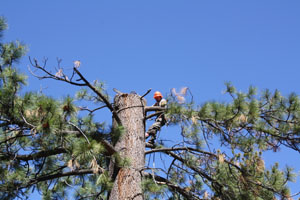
{"x":152,"y":131}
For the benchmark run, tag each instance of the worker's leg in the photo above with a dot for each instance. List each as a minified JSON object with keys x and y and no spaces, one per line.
{"x":152,"y":131}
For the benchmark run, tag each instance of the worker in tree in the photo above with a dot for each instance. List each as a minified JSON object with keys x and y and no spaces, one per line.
{"x":160,"y":119}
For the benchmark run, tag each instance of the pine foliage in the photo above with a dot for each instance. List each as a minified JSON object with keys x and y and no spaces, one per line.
{"x":43,"y":142}
{"x":57,"y":147}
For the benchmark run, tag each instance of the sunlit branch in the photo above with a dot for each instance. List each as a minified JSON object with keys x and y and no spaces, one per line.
{"x":64,"y":78}
{"x":154,"y":108}
{"x":91,"y":110}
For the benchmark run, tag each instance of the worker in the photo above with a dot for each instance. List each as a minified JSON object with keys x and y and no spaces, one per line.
{"x":160,"y":119}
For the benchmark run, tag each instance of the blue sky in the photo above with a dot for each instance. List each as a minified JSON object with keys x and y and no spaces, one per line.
{"x":135,"y":45}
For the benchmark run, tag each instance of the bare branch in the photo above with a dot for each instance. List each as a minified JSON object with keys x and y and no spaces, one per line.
{"x":154,"y":114}
{"x":64,"y":78}
{"x":91,"y":111}
{"x":117,"y":91}
{"x":154,"y":108}
{"x":58,"y":175}
{"x":148,"y":91}
{"x":78,"y":129}
{"x":37,"y":155}
{"x":15,"y":137}
{"x":27,"y":122}
{"x":162,"y":181}
{"x":101,"y":96}
{"x":194,"y":168}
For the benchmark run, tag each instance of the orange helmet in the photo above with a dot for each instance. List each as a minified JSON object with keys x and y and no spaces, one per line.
{"x":157,"y":94}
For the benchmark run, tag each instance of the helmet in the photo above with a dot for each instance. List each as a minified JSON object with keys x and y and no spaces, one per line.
{"x":157,"y":94}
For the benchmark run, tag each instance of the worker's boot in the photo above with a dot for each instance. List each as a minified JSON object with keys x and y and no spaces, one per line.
{"x":151,"y":141}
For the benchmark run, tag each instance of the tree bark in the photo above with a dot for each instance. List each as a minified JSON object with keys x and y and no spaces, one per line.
{"x":131,"y":146}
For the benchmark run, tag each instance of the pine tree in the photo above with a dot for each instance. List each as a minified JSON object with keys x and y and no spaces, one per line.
{"x":50,"y":146}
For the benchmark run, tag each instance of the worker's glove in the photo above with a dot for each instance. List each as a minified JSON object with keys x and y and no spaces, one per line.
{"x":163,"y":103}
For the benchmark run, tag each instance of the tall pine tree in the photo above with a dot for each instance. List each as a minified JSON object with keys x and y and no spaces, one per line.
{"x":46,"y":145}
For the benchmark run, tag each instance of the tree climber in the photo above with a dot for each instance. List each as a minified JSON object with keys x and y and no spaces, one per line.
{"x":160,"y":119}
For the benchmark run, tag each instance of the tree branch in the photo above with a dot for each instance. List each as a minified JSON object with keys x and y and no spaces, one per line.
{"x":50,"y":75}
{"x":154,"y":108}
{"x":154,"y":114}
{"x":175,"y":156}
{"x":146,"y":93}
{"x":58,"y":175}
{"x":194,"y":168}
{"x":37,"y":155}
{"x":91,"y":110}
{"x":101,"y":96}
{"x":163,"y":181}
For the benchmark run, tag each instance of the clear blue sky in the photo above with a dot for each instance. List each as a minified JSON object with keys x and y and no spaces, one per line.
{"x":137,"y":45}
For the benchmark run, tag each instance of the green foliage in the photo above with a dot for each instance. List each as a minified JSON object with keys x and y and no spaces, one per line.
{"x":104,"y":181}
{"x":11,"y":52}
{"x":46,"y":145}
{"x":3,"y":25}
{"x":249,"y":125}
{"x":85,"y":95}
{"x":69,"y":108}
{"x":42,"y":139}
{"x":152,"y":190}
{"x":117,"y":133}
{"x":121,"y":161}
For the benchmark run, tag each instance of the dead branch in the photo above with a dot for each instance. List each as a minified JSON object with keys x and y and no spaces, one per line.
{"x":91,"y":110}
{"x":154,"y":108}
{"x":100,"y":95}
{"x":50,"y":75}
{"x":148,"y":91}
{"x":117,"y":91}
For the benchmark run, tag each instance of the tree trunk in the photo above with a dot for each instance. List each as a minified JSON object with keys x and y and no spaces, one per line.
{"x":128,"y":180}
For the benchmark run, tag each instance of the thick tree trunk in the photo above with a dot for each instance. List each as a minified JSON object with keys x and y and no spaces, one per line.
{"x":128,"y":180}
